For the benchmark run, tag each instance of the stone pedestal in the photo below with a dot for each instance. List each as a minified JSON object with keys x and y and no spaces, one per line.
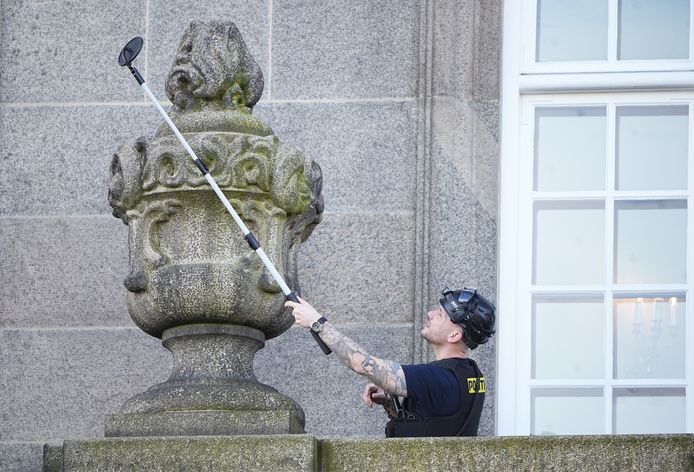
{"x":211,"y":390}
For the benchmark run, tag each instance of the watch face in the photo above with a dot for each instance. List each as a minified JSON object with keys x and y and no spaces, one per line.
{"x":317,"y":326}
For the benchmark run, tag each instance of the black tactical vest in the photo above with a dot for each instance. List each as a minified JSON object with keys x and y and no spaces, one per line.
{"x":464,"y":422}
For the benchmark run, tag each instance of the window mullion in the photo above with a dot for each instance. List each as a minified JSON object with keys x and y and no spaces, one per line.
{"x":526,"y":226}
{"x":610,"y":165}
{"x":689,"y":313}
{"x":612,"y":30}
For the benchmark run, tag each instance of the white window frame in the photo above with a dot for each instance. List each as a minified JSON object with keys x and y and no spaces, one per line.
{"x":524,"y":87}
{"x":611,"y":64}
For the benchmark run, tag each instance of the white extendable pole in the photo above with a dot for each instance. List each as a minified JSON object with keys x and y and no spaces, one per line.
{"x":127,"y":55}
{"x":225,"y":201}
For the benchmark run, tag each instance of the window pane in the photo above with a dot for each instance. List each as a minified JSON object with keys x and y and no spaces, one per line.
{"x":570,"y":148}
{"x":649,"y":338}
{"x":569,"y":243}
{"x":568,"y":339}
{"x":653,"y":29}
{"x":651,"y":242}
{"x":649,"y":410}
{"x":652,"y":147}
{"x":567,"y":411}
{"x":571,"y":30}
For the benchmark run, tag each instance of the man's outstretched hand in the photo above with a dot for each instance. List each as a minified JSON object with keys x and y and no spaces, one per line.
{"x":304,"y":314}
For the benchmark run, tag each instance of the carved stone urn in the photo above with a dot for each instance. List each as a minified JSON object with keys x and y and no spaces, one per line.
{"x":193,"y":281}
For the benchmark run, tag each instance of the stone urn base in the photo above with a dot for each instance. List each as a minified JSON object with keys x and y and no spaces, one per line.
{"x":212,"y":390}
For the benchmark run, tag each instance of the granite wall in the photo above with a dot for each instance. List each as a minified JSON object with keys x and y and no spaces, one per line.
{"x":398,"y":102}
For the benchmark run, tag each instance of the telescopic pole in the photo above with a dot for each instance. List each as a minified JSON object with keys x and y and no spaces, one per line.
{"x":127,"y":55}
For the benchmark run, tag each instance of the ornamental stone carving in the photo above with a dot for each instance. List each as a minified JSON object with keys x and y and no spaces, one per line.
{"x":193,"y":281}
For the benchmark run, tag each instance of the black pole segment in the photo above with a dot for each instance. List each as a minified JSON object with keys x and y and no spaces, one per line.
{"x":136,"y":74}
{"x":201,"y":166}
{"x":324,"y":347}
{"x":254,"y":244}
{"x":293,"y":297}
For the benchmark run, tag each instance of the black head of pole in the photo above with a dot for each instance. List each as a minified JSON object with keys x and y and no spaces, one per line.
{"x":129,"y":53}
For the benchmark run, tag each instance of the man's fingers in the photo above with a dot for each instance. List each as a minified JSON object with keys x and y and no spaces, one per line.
{"x":366,"y":396}
{"x":290,"y":304}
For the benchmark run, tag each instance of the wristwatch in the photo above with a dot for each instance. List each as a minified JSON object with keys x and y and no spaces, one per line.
{"x":317,"y":325}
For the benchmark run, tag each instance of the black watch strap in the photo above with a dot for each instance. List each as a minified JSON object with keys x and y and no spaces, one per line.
{"x":319,"y":321}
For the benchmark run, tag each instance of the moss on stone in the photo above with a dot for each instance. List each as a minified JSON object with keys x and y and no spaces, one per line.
{"x":288,"y":453}
{"x":571,"y":453}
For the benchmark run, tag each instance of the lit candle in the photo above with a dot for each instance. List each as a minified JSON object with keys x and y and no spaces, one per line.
{"x":658,"y":315}
{"x":637,"y":316}
{"x":673,"y":312}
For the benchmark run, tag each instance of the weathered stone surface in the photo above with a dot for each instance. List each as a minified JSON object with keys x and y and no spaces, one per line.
{"x":85,"y":258}
{"x":568,"y":454}
{"x":338,"y":49}
{"x":465,"y":64}
{"x":487,"y":50}
{"x":290,"y":453}
{"x":299,"y":452}
{"x":44,"y":44}
{"x":63,"y":168}
{"x":204,"y":423}
{"x":192,"y":280}
{"x":166,"y":23}
{"x":20,"y":457}
{"x":61,"y":383}
{"x":453,"y":47}
{"x":339,"y":262}
{"x":367,"y":151}
{"x":212,"y":389}
{"x":52,"y":458}
{"x":186,"y":265}
{"x":465,"y":144}
{"x":213,"y":69}
{"x":63,"y":271}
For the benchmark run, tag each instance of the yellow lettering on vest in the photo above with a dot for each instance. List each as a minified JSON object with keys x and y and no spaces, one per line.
{"x":471,"y":384}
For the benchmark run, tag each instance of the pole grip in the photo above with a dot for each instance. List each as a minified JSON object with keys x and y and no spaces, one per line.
{"x":323,"y":346}
{"x":293,"y":297}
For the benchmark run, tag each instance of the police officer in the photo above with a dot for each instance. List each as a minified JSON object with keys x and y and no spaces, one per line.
{"x":441,"y":398}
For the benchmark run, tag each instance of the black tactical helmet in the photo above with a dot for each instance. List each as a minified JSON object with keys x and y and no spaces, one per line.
{"x":472,"y":311}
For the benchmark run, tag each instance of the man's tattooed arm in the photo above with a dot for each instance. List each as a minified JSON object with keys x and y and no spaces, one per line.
{"x":386,"y":374}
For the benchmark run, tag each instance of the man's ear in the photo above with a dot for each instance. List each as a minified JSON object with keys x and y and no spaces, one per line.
{"x":455,"y":336}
